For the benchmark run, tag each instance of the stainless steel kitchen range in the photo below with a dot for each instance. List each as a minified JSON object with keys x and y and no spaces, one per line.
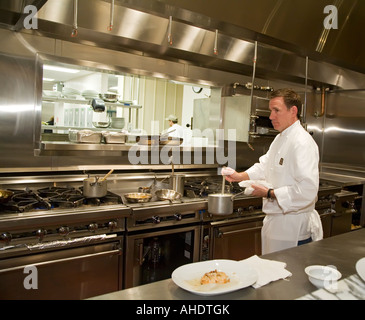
{"x":97,"y":197}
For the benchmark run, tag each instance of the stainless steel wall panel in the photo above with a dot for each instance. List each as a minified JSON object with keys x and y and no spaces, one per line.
{"x":344,"y":131}
{"x":19,"y":112}
{"x":315,"y":125}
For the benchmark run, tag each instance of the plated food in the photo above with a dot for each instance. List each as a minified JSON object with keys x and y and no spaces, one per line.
{"x":215,"y":276}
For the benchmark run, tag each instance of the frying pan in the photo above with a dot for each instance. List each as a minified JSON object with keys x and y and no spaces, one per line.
{"x":168,"y":194}
{"x":138,"y":197}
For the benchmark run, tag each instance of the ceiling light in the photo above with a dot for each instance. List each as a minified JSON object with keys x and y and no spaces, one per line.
{"x":60,"y":69}
{"x":48,"y":79}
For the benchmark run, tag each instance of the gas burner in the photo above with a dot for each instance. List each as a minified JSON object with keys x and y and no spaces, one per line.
{"x":109,"y":198}
{"x":62,"y":197}
{"x":53,"y":197}
{"x":197,"y":188}
{"x":52,"y":192}
{"x":25,"y":200}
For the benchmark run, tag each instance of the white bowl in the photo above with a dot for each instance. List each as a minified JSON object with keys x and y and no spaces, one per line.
{"x":117,"y":123}
{"x":322,"y":276}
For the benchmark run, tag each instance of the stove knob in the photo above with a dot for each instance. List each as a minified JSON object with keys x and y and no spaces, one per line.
{"x":92,"y":227}
{"x":178,"y":216}
{"x":156,"y":219}
{"x":251,"y":208}
{"x":349,"y":204}
{"x":112,"y":225}
{"x":333,"y":199}
{"x":240,"y":210}
{"x":5,"y":237}
{"x":64,"y":231}
{"x":40,"y":233}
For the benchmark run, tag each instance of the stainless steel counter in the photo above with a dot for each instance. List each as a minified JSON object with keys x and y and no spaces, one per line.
{"x":341,"y":179}
{"x":342,"y":251}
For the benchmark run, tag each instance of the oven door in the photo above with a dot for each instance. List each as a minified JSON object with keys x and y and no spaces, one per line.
{"x":154,"y":255}
{"x":236,"y":239}
{"x":341,"y":222}
{"x":68,"y":273}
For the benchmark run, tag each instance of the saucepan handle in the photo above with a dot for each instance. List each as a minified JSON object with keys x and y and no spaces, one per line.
{"x":237,"y":194}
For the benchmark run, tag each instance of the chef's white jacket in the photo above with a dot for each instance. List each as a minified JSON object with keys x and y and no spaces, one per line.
{"x":291,"y":167}
{"x":176,"y":131}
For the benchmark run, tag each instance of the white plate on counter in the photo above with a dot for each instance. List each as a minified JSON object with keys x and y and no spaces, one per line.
{"x":360,"y":268}
{"x":188,"y":277}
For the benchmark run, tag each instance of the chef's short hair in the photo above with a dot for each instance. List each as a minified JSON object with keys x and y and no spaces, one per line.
{"x":291,"y":98}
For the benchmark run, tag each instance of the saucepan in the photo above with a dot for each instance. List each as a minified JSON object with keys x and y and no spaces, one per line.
{"x":95,"y":187}
{"x":221,"y":203}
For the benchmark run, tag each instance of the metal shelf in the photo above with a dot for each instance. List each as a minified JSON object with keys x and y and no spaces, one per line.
{"x":88,"y":102}
{"x":66,"y":128}
{"x":66,"y":148}
{"x":71,"y":146}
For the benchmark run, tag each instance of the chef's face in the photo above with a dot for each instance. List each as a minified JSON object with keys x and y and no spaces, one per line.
{"x":281,"y":117}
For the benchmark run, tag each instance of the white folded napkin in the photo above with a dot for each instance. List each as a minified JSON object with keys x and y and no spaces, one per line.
{"x":248,"y":183}
{"x":315,"y":226}
{"x":267,"y":270}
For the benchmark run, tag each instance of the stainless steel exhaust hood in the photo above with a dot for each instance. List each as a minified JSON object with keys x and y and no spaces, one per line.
{"x":12,"y":13}
{"x":295,"y":25}
{"x":215,"y":34}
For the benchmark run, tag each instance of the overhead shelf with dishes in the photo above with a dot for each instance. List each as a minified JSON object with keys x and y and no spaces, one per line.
{"x":111,"y":143}
{"x":109,"y":103}
{"x":68,"y":96}
{"x":113,"y":147}
{"x":100,"y":132}
{"x":87,"y":111}
{"x":56,"y":96}
{"x":86,"y":122}
{"x":86,"y":118}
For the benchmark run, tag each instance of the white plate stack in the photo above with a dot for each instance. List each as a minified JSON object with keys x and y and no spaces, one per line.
{"x":52,"y":94}
{"x":71,"y":93}
{"x":90,"y":94}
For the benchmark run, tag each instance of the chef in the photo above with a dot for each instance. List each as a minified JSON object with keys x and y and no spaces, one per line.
{"x":290,"y":174}
{"x":175,"y":129}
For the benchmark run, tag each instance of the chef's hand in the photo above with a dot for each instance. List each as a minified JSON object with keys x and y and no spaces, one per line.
{"x":259,"y":191}
{"x":227,"y":171}
{"x":231,"y":174}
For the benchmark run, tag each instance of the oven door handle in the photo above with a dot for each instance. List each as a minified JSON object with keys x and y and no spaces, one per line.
{"x":341,"y":213}
{"x":69,"y":242}
{"x":45,"y":263}
{"x":60,"y":243}
{"x":220,"y":234}
{"x":142,"y":255}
